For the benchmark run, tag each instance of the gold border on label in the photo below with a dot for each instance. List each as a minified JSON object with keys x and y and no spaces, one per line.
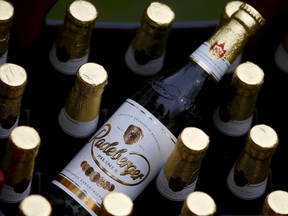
{"x":79,"y":193}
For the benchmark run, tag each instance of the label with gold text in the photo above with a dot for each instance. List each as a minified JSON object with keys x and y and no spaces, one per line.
{"x":124,"y":155}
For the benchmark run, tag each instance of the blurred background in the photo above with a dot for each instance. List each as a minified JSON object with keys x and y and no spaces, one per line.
{"x":188,"y":12}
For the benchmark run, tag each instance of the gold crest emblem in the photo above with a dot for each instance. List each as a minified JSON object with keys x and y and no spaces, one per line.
{"x":133,"y":134}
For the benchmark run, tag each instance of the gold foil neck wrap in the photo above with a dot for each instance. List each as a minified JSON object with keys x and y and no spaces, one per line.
{"x":13,"y":80}
{"x":233,"y":36}
{"x":151,"y":37}
{"x":74,"y":37}
{"x":246,"y":83}
{"x":18,"y":162}
{"x":261,"y":142}
{"x":34,"y":204}
{"x":230,"y":8}
{"x":198,"y":203}
{"x":276,"y":203}
{"x":253,"y":21}
{"x":185,"y":160}
{"x":84,"y":99}
{"x":116,"y":203}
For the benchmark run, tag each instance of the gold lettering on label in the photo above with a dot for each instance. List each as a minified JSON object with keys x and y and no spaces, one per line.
{"x":118,"y":155}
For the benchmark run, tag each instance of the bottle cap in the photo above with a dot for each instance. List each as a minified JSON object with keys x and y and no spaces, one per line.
{"x":82,"y":13}
{"x":6,"y":15}
{"x":198,"y":203}
{"x":262,"y":141}
{"x":117,"y":203}
{"x":248,"y":78}
{"x":13,"y":79}
{"x":79,"y":117}
{"x":249,"y":17}
{"x":18,"y":162}
{"x":230,"y":8}
{"x":34,"y":204}
{"x":276,"y":203}
{"x":192,"y":142}
{"x":91,"y":79}
{"x":159,"y":16}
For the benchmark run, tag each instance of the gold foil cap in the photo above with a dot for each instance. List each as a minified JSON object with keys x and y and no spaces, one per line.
{"x":91,"y":79}
{"x":6,"y":15}
{"x":158,"y":17}
{"x":18,"y":163}
{"x":192,"y":143}
{"x":229,"y":9}
{"x":81,"y":13}
{"x":115,"y":204}
{"x":34,"y":204}
{"x":248,"y":78}
{"x":198,"y":203}
{"x":276,"y":203}
{"x":249,"y":17}
{"x":13,"y":79}
{"x":261,"y":142}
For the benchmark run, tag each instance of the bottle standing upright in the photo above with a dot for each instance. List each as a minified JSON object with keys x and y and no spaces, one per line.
{"x":72,"y":46}
{"x":129,"y":149}
{"x":18,"y":166}
{"x":80,"y":115}
{"x":13,"y":81}
{"x":178,"y":177}
{"x":234,"y":116}
{"x":6,"y":21}
{"x":248,"y":176}
{"x":146,"y":53}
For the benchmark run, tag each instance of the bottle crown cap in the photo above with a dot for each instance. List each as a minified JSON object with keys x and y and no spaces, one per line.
{"x":81,"y":13}
{"x":262,"y":141}
{"x":91,"y":79}
{"x":35,"y":204}
{"x":276,"y":203}
{"x":191,"y":142}
{"x":198,"y":203}
{"x":117,"y":203}
{"x":248,"y":78}
{"x":13,"y":79}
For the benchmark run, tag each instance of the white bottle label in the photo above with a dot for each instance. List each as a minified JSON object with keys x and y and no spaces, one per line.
{"x":162,"y":184}
{"x":212,"y":59}
{"x":248,"y":191}
{"x":9,"y":195}
{"x":3,"y":58}
{"x":150,"y":68}
{"x":69,"y":67}
{"x":232,"y":128}
{"x":124,"y":155}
